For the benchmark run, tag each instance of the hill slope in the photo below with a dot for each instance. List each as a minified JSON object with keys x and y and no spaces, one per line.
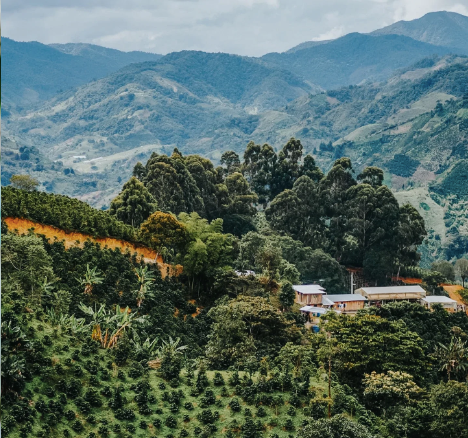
{"x":442,"y":28}
{"x":32,"y":72}
{"x":353,"y":59}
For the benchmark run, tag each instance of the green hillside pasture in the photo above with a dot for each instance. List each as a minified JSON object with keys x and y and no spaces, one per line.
{"x":432,"y":212}
{"x":126,"y":159}
{"x":421,"y":106}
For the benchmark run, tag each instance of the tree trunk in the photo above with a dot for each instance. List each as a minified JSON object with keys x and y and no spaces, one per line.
{"x":329,"y":387}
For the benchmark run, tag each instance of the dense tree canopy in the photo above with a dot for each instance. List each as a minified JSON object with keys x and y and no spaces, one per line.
{"x":134,"y":203}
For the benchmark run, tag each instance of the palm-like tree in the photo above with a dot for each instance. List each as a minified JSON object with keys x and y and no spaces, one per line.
{"x":91,"y":277}
{"x":452,"y":357}
{"x":171,"y":347}
{"x":144,"y":280}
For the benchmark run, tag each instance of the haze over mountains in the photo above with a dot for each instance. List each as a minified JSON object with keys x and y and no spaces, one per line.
{"x":33,"y":72}
{"x":78,"y":116}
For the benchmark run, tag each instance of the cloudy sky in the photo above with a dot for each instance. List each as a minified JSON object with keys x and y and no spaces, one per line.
{"x":245,"y":27}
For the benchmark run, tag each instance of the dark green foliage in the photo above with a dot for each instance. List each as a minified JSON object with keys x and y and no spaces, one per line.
{"x":218,"y":379}
{"x":402,"y":165}
{"x":63,"y":212}
{"x":171,"y":422}
{"x":235,"y":405}
{"x":134,"y":204}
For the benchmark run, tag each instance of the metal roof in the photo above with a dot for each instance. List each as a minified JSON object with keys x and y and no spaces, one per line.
{"x":346,"y":297}
{"x":438,"y":299}
{"x":312,"y":309}
{"x":309,"y":288}
{"x":245,"y":273}
{"x":326,"y":301}
{"x":392,"y":289}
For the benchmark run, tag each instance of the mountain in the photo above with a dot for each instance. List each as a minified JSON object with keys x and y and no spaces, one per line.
{"x":193,"y":100}
{"x":307,"y":45}
{"x":33,"y":72}
{"x":353,"y":59}
{"x":115,"y":58}
{"x":443,"y":28}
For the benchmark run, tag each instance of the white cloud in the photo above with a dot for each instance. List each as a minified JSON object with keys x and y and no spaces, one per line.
{"x":247,"y":27}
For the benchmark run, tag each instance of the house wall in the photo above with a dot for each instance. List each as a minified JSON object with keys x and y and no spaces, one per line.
{"x":309,"y":299}
{"x":351,"y":306}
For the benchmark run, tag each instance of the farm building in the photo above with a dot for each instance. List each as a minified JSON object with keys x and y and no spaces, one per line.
{"x":313,"y":313}
{"x":446,"y":302}
{"x":382,"y":295}
{"x":346,"y":303}
{"x":309,"y":294}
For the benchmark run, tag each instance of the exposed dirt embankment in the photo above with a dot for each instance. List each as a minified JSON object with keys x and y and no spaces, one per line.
{"x":72,"y":239}
{"x":452,"y":290}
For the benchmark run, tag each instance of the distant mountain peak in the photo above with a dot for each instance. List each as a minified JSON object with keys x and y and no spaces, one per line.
{"x":442,"y":28}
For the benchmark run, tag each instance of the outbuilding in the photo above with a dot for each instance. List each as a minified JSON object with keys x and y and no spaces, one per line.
{"x":446,"y":302}
{"x":314,"y":313}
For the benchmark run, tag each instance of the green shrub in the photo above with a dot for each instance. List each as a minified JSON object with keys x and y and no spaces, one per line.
{"x":288,"y":424}
{"x":235,"y":405}
{"x":77,"y":426}
{"x":171,"y":422}
{"x":261,"y":412}
{"x":218,"y":379}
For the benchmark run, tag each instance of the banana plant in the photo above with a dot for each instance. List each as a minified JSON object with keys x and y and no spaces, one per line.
{"x":108,"y":326}
{"x":147,"y":348}
{"x":145,"y":278}
{"x":91,"y":277}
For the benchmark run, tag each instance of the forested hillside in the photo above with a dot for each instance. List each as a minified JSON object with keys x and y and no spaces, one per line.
{"x":354,"y":59}
{"x":95,"y":343}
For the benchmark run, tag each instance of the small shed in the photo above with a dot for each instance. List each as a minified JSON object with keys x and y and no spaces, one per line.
{"x":446,"y":302}
{"x":309,"y":294}
{"x":313,"y":313}
{"x":377,"y":295}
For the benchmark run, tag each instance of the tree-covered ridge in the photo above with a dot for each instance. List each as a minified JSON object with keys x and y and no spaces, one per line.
{"x":356,"y":220}
{"x":64,"y":212}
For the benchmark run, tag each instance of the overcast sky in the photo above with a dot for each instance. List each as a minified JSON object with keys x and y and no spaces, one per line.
{"x":245,"y":27}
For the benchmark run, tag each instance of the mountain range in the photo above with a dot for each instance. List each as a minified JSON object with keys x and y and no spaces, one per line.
{"x":33,"y":72}
{"x":382,"y":99}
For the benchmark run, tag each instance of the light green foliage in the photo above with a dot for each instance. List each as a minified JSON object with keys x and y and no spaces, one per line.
{"x":450,"y":410}
{"x":24,"y":182}
{"x":171,"y":358}
{"x":445,"y":268}
{"x":337,"y":427}
{"x":209,"y":251}
{"x":452,"y":357}
{"x":163,"y":232}
{"x":244,"y":326}
{"x":391,"y":388}
{"x":367,"y":343}
{"x":26,"y":266}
